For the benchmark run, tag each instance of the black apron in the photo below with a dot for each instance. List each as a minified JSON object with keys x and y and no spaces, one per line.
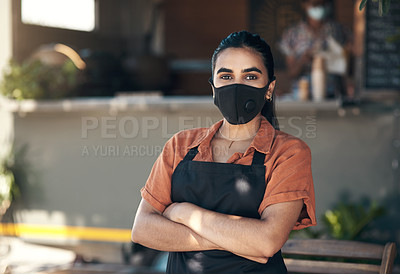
{"x":225,"y":188}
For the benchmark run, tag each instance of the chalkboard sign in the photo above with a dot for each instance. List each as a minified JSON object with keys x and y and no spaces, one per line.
{"x":382,"y":56}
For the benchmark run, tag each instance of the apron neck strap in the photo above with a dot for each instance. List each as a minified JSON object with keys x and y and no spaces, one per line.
{"x":258,"y":158}
{"x":191,"y":154}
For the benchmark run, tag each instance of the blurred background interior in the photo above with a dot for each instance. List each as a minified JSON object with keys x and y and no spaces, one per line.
{"x":92,"y":89}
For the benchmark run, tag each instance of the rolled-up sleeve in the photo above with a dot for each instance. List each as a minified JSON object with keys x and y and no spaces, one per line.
{"x":157,"y":190}
{"x":290,"y":179}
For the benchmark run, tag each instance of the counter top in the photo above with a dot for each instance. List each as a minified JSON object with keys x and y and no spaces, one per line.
{"x":144,"y":103}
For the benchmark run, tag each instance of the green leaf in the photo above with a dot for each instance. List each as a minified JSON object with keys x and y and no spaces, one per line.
{"x":348,"y":220}
{"x":35,"y":80}
{"x":362,"y":4}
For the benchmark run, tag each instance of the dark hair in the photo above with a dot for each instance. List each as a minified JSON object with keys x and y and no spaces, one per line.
{"x":245,"y":39}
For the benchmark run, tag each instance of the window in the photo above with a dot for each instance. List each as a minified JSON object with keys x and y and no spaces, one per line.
{"x":65,"y":14}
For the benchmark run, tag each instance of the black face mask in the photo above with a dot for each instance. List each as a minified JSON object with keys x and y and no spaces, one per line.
{"x":239,"y":103}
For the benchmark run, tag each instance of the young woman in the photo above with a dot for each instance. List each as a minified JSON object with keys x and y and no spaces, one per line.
{"x":224,"y":199}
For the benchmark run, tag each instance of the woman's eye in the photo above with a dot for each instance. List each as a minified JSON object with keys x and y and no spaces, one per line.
{"x":251,"y":77}
{"x":225,"y":77}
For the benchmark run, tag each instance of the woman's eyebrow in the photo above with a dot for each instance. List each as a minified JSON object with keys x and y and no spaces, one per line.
{"x":224,"y":70}
{"x":252,"y":69}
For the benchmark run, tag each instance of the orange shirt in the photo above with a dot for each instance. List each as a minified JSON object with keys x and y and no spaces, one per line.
{"x":288,"y":174}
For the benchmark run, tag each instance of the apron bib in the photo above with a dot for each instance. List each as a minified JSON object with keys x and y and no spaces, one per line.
{"x":225,"y":188}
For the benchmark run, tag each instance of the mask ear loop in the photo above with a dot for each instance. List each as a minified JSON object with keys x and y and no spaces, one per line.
{"x":210,"y":80}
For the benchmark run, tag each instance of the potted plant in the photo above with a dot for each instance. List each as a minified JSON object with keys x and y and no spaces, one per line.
{"x":34,"y":79}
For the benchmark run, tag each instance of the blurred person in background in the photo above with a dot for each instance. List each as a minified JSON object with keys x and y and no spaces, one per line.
{"x":317,"y":42}
{"x":224,"y":199}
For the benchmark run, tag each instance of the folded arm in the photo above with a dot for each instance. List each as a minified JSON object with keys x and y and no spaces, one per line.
{"x":153,"y":230}
{"x":252,"y":237}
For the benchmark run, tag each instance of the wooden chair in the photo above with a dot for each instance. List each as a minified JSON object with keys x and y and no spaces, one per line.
{"x":338,"y":256}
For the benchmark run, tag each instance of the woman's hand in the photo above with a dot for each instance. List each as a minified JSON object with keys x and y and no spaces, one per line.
{"x":179,"y":212}
{"x":184,"y":213}
{"x":171,"y":212}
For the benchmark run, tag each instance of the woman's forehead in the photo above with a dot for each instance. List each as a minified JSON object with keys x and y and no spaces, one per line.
{"x":240,"y":57}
